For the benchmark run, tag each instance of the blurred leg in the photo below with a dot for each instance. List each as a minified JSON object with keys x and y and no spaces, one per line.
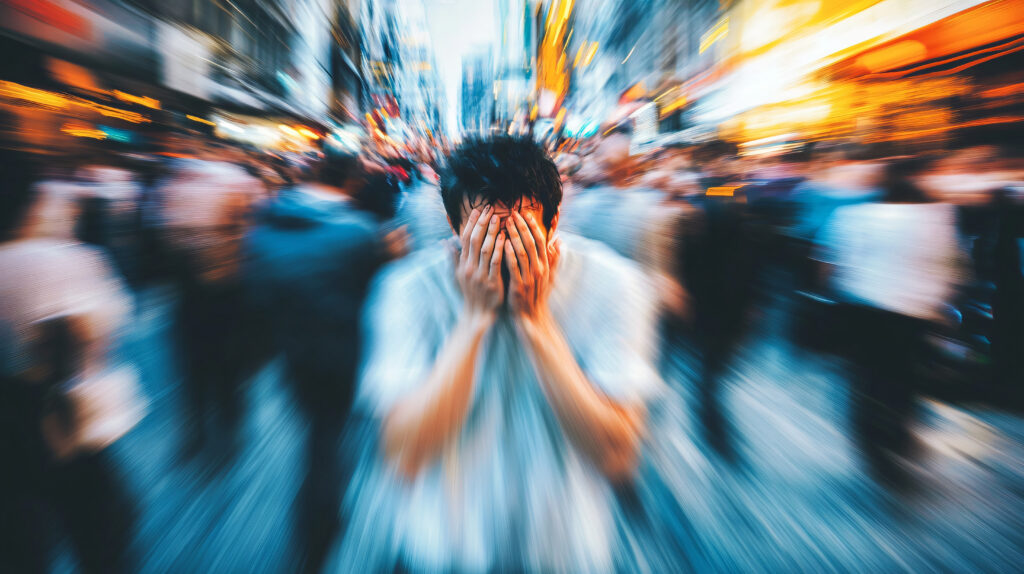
{"x":98,"y":514}
{"x":197,"y":362}
{"x":322,"y":398}
{"x":886,"y":353}
{"x":26,"y":525}
{"x":26,"y":515}
{"x":717,"y":351}
{"x":227,"y":322}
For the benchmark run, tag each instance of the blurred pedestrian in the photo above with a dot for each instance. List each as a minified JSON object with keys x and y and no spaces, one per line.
{"x":203,"y":212}
{"x":312,"y":254}
{"x":64,"y":398}
{"x":894,"y":266}
{"x":641,"y":223}
{"x":720,"y":269}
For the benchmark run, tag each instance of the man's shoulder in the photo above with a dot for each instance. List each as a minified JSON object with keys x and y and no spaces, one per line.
{"x":598,"y":265}
{"x":296,"y":209}
{"x":423,"y":268}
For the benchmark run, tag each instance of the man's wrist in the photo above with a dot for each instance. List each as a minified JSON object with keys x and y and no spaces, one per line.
{"x":478,"y":320}
{"x":536,"y":325}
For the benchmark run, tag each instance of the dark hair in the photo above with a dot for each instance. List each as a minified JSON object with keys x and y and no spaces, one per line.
{"x":17,"y":192}
{"x":898,"y":185}
{"x":379,"y":195}
{"x":503,"y":170}
{"x":337,"y":167}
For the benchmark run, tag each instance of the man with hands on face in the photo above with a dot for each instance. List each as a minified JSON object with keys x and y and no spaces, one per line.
{"x":508,"y":381}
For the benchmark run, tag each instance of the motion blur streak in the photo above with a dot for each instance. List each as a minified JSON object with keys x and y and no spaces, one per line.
{"x":511,"y":286}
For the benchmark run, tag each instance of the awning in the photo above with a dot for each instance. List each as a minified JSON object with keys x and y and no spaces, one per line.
{"x":978,"y":34}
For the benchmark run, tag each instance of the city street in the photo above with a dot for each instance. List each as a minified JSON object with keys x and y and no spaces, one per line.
{"x":511,"y":286}
{"x":796,"y":498}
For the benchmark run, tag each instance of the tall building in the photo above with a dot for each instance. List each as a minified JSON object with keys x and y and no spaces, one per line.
{"x":515,"y":58}
{"x":345,"y":62}
{"x":476,"y":105}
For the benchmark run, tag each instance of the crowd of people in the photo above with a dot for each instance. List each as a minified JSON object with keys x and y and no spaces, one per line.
{"x":475,"y":336}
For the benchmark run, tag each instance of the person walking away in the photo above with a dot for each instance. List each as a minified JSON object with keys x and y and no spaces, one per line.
{"x":64,"y":397}
{"x":204,"y":210}
{"x":310,"y":258}
{"x":893,"y":265}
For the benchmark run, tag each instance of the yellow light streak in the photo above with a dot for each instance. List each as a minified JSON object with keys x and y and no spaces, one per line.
{"x":721,"y":30}
{"x":200,"y":120}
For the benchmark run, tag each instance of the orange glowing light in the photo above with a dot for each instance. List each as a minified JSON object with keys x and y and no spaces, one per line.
{"x":553,"y":76}
{"x":111,"y":112}
{"x":894,"y":56}
{"x":635,"y":92}
{"x":81,"y":131}
{"x":673,"y":106}
{"x":200,"y":120}
{"x":16,"y":91}
{"x":723,"y":191}
{"x":140,"y":100}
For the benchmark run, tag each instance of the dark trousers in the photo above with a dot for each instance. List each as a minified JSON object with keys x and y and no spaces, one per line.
{"x":886,"y":349}
{"x":210,"y":328}
{"x":325,"y":398}
{"x":84,"y":496}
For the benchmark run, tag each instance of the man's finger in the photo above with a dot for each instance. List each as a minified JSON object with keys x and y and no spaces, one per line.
{"x":477,"y":238}
{"x":513,"y":267}
{"x":467,"y":229}
{"x":528,"y":242}
{"x":499,"y":247}
{"x":538,"y":238}
{"x":469,"y":224}
{"x":518,"y":246}
{"x":488,"y":245}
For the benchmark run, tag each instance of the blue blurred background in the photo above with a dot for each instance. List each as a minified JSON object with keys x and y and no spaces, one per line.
{"x":827,"y":198}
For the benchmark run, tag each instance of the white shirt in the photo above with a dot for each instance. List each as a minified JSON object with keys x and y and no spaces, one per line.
{"x":45,"y":278}
{"x":511,"y":492}
{"x":902,"y":257}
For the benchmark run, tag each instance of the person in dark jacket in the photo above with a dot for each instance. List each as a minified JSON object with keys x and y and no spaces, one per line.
{"x":311,"y":256}
{"x":720,"y":268}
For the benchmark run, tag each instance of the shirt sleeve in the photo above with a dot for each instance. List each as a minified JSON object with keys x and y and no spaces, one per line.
{"x":621,"y":354}
{"x":399,"y":342}
{"x":831,"y":238}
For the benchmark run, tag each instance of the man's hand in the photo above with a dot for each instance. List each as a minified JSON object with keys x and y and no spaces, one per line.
{"x":531,"y":262}
{"x":478,"y":269}
{"x":396,"y":244}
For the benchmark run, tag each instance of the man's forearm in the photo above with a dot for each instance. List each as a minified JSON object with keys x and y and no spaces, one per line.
{"x":419,"y":426}
{"x":609,"y":433}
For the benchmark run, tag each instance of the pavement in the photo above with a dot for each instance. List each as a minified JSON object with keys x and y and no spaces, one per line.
{"x":796,"y":497}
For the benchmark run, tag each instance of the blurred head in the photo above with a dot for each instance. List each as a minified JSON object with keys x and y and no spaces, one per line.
{"x":337,"y":168}
{"x":611,"y":157}
{"x":378,"y":195}
{"x":568,"y":164}
{"x":510,"y":174}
